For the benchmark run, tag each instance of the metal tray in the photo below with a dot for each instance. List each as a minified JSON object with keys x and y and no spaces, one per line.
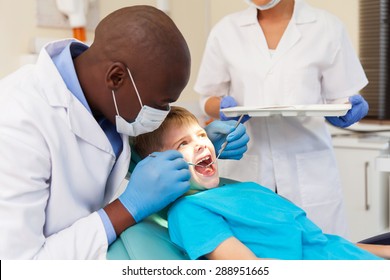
{"x":316,"y":110}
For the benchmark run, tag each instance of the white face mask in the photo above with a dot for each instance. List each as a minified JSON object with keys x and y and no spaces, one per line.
{"x":148,"y":119}
{"x":268,"y":6}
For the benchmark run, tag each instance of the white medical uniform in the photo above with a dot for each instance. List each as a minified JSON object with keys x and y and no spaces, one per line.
{"x":57,"y":168}
{"x":313,"y":63}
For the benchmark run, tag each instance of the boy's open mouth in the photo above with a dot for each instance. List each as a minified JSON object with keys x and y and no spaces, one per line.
{"x":202,"y":169}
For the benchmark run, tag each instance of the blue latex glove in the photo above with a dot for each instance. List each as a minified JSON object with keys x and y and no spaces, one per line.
{"x":358,"y":111}
{"x":155,"y":182}
{"x":219,"y":131}
{"x":228,"y":102}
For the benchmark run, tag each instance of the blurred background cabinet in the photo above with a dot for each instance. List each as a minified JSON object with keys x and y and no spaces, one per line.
{"x":366,"y":190}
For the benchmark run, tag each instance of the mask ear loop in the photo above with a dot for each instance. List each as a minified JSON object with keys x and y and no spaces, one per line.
{"x":113,"y":97}
{"x":135,"y":87}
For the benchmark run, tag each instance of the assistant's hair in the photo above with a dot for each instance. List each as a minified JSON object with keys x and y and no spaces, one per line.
{"x":148,"y":143}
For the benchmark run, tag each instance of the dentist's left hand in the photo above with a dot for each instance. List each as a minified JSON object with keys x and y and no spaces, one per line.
{"x":155,"y":182}
{"x":219,"y":131}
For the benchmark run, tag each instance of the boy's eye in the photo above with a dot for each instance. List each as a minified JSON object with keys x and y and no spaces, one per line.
{"x":182,"y":144}
{"x":203,"y":134}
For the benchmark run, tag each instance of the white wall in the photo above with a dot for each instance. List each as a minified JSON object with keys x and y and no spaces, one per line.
{"x":18,"y":27}
{"x":193,"y":17}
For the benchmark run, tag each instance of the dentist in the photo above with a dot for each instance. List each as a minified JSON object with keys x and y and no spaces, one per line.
{"x":65,"y":124}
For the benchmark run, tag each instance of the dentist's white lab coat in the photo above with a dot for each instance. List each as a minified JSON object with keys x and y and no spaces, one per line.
{"x":313,"y":63}
{"x":56,"y":168}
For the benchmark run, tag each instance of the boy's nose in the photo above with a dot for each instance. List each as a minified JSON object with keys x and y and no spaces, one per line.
{"x":199,"y":147}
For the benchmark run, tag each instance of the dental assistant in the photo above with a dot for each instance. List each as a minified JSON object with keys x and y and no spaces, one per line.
{"x":65,"y":124}
{"x":285,"y":52}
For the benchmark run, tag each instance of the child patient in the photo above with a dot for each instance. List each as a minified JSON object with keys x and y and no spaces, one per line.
{"x":239,"y":220}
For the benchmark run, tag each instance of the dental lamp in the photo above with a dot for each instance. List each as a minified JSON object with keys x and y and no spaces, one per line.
{"x":76,"y":11}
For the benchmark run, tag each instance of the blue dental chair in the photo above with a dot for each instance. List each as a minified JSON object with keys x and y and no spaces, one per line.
{"x":147,"y":240}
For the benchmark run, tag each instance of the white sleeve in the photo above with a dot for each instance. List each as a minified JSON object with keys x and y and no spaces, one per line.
{"x":345,"y":76}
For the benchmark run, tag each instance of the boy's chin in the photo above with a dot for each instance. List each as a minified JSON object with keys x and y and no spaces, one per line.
{"x":204,"y":184}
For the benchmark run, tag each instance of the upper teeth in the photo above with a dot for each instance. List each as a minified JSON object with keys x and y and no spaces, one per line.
{"x":203,"y":159}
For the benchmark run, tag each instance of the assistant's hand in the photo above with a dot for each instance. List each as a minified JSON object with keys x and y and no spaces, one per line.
{"x":358,"y":111}
{"x":227,"y":102}
{"x":219,"y":131}
{"x":155,"y":182}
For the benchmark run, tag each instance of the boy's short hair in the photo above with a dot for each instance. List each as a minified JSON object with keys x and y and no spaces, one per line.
{"x":148,"y":143}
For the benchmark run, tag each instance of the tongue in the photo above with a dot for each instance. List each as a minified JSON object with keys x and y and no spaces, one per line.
{"x":204,"y":170}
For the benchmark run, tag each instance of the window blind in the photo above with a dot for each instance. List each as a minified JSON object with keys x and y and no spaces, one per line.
{"x":374,"y":55}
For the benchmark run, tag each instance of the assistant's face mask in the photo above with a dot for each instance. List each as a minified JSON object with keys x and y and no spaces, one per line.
{"x":148,"y":119}
{"x":268,"y":6}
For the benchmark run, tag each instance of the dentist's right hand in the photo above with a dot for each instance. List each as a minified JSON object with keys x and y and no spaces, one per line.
{"x":155,"y":182}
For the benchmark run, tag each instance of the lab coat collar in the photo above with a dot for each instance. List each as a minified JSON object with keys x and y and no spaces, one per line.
{"x":64,"y":64}
{"x":58,"y":95}
{"x":46,"y":66}
{"x":303,"y":14}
